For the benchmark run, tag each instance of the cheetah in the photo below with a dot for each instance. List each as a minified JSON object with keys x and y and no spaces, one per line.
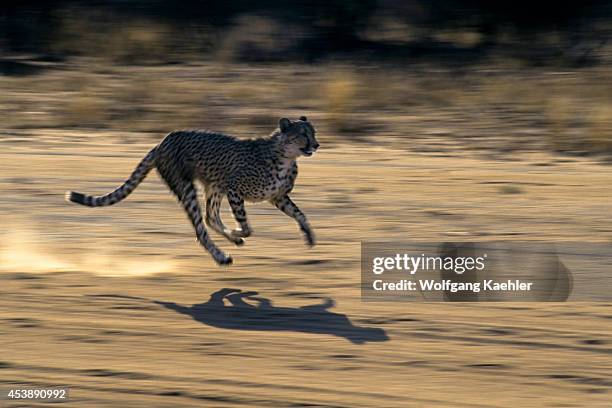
{"x":254,"y":170}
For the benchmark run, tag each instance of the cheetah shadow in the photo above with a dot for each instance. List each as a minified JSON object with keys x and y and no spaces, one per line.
{"x":240,"y":315}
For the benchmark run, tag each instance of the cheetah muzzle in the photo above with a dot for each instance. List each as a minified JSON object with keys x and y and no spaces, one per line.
{"x":254,"y":170}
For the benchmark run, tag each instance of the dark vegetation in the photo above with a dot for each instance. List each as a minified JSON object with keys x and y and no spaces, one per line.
{"x":458,"y":31}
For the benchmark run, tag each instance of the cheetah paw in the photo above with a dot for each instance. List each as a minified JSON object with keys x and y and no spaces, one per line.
{"x":225,"y":260}
{"x":310,"y":240}
{"x":240,"y":233}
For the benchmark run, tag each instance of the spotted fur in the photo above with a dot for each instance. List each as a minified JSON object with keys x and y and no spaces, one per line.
{"x":252,"y":170}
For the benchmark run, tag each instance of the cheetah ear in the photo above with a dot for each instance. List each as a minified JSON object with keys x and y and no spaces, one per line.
{"x":303,"y":118}
{"x":284,"y":124}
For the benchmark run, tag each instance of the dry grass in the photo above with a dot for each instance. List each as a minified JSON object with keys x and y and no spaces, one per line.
{"x":340,"y":95}
{"x":490,"y":109}
{"x":600,"y":128}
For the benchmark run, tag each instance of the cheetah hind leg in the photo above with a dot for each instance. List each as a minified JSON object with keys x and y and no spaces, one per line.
{"x":189,"y":199}
{"x":213,"y":218}
{"x":237,"y":204}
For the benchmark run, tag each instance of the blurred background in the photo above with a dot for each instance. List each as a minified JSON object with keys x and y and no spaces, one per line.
{"x":440,"y":120}
{"x":491,"y":77}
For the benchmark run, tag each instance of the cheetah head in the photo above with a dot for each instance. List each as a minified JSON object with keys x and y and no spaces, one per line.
{"x":298,"y":137}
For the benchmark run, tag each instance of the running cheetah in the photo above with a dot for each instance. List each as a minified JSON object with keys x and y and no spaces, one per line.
{"x":252,"y":170}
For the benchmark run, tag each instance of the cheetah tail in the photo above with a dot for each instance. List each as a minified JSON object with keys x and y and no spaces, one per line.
{"x":139,"y":174}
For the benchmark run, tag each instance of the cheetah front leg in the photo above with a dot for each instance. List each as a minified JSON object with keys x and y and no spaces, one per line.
{"x":213,"y":218}
{"x":237,"y":204}
{"x":288,"y":207}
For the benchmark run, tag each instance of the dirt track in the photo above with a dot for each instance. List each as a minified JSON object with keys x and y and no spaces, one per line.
{"x":102,"y":299}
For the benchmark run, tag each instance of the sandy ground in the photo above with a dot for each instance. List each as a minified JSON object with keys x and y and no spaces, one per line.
{"x":121,"y":304}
